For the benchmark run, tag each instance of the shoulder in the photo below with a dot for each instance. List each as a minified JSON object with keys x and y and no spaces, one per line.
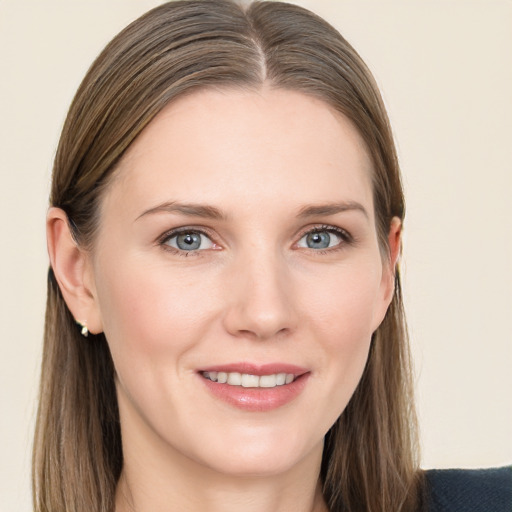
{"x":469,"y":490}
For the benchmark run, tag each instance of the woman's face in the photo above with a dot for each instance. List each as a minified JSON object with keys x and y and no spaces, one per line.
{"x":238,"y":242}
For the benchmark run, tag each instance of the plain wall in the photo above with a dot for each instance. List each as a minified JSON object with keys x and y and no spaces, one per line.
{"x":445,"y":69}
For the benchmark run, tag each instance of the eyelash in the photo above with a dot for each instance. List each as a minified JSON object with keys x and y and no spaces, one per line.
{"x":345,"y":236}
{"x":164,"y":239}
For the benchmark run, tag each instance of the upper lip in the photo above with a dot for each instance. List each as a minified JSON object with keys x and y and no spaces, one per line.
{"x":257,"y":369}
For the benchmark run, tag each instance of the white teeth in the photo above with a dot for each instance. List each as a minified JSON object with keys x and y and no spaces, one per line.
{"x":250,"y":381}
{"x":234,"y":379}
{"x":268,"y":381}
{"x":247,"y":380}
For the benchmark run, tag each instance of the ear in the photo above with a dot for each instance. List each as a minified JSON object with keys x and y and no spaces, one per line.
{"x":389,"y":264}
{"x":394,"y":245}
{"x":73,"y":271}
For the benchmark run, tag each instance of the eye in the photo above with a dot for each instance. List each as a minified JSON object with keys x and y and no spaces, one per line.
{"x":323,"y":238}
{"x":189,"y":241}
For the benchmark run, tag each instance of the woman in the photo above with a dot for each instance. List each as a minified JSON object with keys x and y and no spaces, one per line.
{"x":224,"y":323}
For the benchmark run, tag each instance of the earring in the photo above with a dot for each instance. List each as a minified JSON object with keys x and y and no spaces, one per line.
{"x":84,"y":332}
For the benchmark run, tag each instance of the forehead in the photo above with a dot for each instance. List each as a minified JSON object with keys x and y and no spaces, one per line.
{"x":240,"y":146}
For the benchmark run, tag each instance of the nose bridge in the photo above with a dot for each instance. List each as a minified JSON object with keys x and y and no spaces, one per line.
{"x":261,"y":303}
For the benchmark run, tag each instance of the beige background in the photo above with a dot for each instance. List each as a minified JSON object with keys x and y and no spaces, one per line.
{"x":445,"y":68}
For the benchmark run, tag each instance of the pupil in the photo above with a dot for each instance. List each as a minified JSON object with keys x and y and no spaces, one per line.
{"x":318,"y":240}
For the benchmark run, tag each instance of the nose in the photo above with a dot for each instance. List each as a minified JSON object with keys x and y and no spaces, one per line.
{"x":261,"y":302}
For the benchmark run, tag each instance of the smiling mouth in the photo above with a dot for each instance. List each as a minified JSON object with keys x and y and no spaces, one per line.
{"x":247,"y":380}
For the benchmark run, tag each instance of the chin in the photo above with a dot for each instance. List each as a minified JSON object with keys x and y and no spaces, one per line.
{"x":257,"y":467}
{"x":262,"y":456}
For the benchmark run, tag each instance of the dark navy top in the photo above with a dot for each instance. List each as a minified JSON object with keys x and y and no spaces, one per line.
{"x":470,"y":490}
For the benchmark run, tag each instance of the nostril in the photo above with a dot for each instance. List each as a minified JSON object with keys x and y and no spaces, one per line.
{"x":262,"y":332}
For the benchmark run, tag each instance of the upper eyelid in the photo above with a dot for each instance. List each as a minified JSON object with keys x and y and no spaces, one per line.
{"x":185,"y":229}
{"x":325,"y":227}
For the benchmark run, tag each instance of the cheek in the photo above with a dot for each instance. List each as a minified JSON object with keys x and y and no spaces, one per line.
{"x":148,"y":312}
{"x":342,"y":321}
{"x":347,"y":303}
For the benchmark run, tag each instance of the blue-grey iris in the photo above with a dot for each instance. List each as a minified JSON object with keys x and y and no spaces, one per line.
{"x":188,"y":241}
{"x":318,"y":240}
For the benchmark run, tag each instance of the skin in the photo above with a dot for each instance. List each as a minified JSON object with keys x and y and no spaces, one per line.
{"x":255,"y":291}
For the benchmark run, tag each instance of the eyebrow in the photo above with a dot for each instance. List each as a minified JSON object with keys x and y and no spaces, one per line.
{"x":189,"y":209}
{"x":331,"y":209}
{"x":211,"y":212}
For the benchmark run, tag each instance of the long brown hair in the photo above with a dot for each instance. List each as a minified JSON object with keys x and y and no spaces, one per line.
{"x":370,"y":454}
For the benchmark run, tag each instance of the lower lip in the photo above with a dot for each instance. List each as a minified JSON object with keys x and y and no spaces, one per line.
{"x":257,"y":399}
